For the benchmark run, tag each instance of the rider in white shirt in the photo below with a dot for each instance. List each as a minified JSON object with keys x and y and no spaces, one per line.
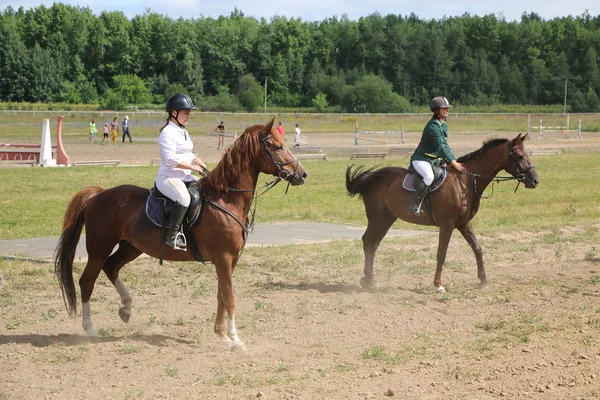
{"x":176,"y":164}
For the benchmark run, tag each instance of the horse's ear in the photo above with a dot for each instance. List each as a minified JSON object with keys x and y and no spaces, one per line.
{"x":520,"y":138}
{"x":269,"y":125}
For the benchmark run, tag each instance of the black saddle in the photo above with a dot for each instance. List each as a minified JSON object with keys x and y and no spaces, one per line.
{"x":159,"y":206}
{"x":413,"y":178}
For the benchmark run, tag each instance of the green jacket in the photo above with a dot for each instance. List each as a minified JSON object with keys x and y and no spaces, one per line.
{"x":434,"y":143}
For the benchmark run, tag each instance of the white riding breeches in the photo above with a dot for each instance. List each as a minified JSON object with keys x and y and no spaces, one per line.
{"x":173,"y":188}
{"x":424,"y":169}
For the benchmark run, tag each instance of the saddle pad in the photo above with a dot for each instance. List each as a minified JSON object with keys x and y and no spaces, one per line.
{"x":412,"y":179}
{"x":155,"y":211}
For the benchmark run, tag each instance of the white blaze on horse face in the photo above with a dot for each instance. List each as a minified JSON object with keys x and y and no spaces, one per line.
{"x":87,"y":324}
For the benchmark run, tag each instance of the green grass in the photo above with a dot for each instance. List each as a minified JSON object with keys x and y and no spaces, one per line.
{"x":33,"y":201}
{"x":25,"y":126}
{"x":374,"y":353}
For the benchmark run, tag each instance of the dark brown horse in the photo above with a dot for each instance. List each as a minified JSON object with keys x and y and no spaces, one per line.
{"x":116,"y":216}
{"x":453,"y":206}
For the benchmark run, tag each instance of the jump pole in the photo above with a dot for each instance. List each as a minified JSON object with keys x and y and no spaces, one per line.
{"x":61,"y":155}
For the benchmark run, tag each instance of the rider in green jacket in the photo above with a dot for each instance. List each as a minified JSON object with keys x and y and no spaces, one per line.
{"x":432,"y":148}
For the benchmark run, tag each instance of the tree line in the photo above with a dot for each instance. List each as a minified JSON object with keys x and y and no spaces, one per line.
{"x":377,"y":63}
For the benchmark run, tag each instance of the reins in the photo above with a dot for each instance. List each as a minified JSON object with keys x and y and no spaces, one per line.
{"x":520,"y":177}
{"x":494,"y":179}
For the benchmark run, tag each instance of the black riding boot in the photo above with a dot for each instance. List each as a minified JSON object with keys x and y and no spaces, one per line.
{"x":176,"y":238}
{"x":420,"y":193}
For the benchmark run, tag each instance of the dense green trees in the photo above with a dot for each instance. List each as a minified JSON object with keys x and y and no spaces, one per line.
{"x":378,"y":63}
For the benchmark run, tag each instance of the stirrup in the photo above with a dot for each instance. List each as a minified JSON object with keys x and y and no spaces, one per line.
{"x":178,"y":237}
{"x":415,"y":210}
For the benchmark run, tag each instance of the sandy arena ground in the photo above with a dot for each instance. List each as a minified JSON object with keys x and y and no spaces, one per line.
{"x":311,"y":331}
{"x":335,"y":145}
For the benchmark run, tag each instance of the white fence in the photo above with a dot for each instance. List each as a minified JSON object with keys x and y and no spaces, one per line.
{"x":541,"y":128}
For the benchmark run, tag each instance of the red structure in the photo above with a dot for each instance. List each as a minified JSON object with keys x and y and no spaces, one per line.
{"x":61,"y":155}
{"x":21,"y":151}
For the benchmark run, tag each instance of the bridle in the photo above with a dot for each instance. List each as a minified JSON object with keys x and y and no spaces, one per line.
{"x":281,"y":175}
{"x":522,"y":171}
{"x":520,"y":175}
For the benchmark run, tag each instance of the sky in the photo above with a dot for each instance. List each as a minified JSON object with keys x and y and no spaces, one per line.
{"x":318,"y":10}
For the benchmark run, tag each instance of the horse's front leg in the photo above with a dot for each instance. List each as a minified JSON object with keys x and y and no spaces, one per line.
{"x":443,"y":241}
{"x":220,"y":320}
{"x":469,"y":235}
{"x":225,"y":321}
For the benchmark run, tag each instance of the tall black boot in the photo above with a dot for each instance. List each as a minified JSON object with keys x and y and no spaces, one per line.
{"x":176,"y":238}
{"x":420,"y":192}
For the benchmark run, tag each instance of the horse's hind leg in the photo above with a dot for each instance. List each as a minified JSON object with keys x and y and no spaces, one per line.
{"x":125,"y":254}
{"x":86,"y":284}
{"x":469,"y":235}
{"x":380,"y":221}
{"x":443,"y":241}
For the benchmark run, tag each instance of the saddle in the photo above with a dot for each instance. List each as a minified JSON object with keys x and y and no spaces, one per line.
{"x":158,"y":211}
{"x":413,"y":178}
{"x":159,"y":206}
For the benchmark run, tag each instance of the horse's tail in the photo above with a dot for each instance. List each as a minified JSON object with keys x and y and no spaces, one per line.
{"x":357,"y":181}
{"x":67,"y":244}
{"x":363,"y":181}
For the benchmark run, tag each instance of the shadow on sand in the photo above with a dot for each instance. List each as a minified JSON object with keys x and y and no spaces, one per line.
{"x":321,"y":288}
{"x":75,"y":340}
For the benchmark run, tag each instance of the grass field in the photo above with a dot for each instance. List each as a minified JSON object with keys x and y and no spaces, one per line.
{"x":33,"y":201}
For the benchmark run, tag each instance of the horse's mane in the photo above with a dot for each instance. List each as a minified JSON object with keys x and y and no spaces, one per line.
{"x":486,"y":145}
{"x":237,"y":157}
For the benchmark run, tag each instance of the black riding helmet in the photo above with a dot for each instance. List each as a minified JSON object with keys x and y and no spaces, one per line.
{"x":179,"y":101}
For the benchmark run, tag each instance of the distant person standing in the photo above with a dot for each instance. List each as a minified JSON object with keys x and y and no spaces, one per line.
{"x":298,"y":135}
{"x":281,"y":131}
{"x":92,"y":130}
{"x":220,"y":129}
{"x":106,"y":129}
{"x":114,"y":130}
{"x":125,"y":125}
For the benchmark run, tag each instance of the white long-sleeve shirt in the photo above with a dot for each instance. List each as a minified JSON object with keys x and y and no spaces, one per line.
{"x":175,"y":146}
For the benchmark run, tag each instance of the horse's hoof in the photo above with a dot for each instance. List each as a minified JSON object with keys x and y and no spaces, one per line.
{"x":91,"y":332}
{"x":238,"y":347}
{"x":482,"y":284}
{"x":366,"y":282}
{"x":125,"y":314}
{"x":440,"y":289}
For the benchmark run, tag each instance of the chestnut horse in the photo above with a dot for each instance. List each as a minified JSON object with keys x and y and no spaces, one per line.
{"x":453,"y":205}
{"x":116,"y":216}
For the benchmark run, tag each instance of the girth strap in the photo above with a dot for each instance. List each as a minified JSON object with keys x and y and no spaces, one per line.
{"x":231,"y":214}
